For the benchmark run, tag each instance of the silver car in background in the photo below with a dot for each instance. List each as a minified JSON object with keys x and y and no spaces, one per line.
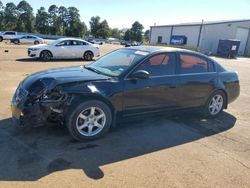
{"x":27,"y":39}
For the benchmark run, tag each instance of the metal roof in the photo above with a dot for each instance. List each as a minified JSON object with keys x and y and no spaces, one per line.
{"x":204,"y":23}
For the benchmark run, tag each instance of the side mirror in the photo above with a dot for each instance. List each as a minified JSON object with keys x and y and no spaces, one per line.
{"x":140,"y":74}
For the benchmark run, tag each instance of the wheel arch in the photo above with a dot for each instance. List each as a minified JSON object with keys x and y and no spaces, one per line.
{"x":225,"y":93}
{"x":88,"y":50}
{"x":43,"y":50}
{"x":82,"y":97}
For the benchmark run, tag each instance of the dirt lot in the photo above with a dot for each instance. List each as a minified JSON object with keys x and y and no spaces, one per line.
{"x":175,"y":151}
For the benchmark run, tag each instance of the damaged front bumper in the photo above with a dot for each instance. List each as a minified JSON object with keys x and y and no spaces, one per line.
{"x":32,"y":116}
{"x":16,"y":115}
{"x":37,"y":113}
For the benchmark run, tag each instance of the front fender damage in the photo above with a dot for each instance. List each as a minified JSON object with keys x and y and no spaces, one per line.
{"x":49,"y":108}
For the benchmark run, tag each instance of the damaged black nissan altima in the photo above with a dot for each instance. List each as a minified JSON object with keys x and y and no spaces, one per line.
{"x":88,"y":100}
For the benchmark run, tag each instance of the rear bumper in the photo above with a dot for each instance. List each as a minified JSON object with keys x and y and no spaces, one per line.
{"x":233,"y":91}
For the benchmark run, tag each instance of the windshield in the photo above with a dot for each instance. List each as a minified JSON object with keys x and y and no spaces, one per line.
{"x":53,"y":42}
{"x":115,"y":63}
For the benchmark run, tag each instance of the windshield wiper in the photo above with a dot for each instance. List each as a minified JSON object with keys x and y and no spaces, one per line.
{"x":93,"y":69}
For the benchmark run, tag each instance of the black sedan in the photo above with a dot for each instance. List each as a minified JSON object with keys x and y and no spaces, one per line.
{"x":133,"y":81}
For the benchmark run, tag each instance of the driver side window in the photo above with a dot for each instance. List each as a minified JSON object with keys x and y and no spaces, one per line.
{"x":65,"y":43}
{"x":159,"y":65}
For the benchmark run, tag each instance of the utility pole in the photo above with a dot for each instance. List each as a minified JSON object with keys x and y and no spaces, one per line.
{"x":199,"y":36}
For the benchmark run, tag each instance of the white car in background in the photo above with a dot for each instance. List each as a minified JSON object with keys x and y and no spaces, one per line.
{"x":7,"y":35}
{"x":27,"y":39}
{"x":65,"y":48}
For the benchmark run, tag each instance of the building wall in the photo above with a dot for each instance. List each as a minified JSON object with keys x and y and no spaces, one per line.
{"x":165,"y":32}
{"x":247,"y":51}
{"x":211,"y":34}
{"x":191,"y":32}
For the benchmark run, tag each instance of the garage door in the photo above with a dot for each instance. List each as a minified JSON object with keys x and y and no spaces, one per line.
{"x":242,"y":35}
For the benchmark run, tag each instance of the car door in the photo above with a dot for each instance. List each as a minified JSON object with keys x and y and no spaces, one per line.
{"x":30,"y":39}
{"x":158,"y":92}
{"x":197,"y":78}
{"x":82,"y":48}
{"x":24,"y":40}
{"x":62,"y":49}
{"x":77,"y":49}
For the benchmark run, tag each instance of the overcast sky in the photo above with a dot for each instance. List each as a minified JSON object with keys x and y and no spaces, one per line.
{"x":122,"y":13}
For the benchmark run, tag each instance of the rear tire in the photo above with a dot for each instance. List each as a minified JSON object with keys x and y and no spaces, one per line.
{"x":45,"y":55}
{"x":88,"y":120}
{"x":1,"y":39}
{"x":88,"y":56}
{"x":16,"y":41}
{"x":36,"y":42}
{"x":215,"y":105}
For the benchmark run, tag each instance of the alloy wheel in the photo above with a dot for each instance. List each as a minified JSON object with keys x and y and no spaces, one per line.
{"x":216,"y":104}
{"x":88,"y":56}
{"x":91,"y":121}
{"x":46,"y":56}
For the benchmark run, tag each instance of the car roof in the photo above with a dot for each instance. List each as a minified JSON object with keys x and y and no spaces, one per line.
{"x":62,"y":39}
{"x":152,"y":49}
{"x":30,"y":36}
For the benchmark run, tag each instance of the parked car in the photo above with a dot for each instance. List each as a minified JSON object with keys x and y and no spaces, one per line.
{"x":27,"y":39}
{"x":124,"y":42}
{"x":98,"y":41}
{"x":132,"y":43}
{"x":7,"y":35}
{"x":140,"y":80}
{"x":66,"y":48}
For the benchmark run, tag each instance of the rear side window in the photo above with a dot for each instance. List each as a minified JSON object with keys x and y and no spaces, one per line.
{"x":65,"y":43}
{"x":193,"y":64}
{"x":79,"y":43}
{"x":9,"y":33}
{"x":159,"y":65}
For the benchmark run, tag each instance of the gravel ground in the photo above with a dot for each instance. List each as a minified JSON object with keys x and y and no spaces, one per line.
{"x":181,"y":150}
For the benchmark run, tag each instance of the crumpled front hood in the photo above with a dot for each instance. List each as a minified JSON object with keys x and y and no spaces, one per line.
{"x":53,"y":77}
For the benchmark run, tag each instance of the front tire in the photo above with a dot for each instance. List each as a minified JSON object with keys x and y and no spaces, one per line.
{"x":88,"y":56}
{"x":215,"y":105}
{"x":36,"y":42}
{"x":1,"y":39}
{"x":88,"y":120}
{"x":45,"y":55}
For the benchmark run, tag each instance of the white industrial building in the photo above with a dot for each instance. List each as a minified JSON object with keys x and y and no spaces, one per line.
{"x":204,"y":35}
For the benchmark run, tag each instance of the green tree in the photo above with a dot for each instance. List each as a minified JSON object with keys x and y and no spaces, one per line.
{"x":53,"y":19}
{"x":146,"y":35}
{"x":136,"y":31}
{"x":62,"y":19}
{"x":94,"y":25}
{"x":103,"y":30}
{"x":25,"y":17}
{"x":42,"y":21}
{"x":10,"y":16}
{"x":98,"y":28}
{"x":1,"y":16}
{"x":75,"y":27}
{"x":116,"y":33}
{"x":127,"y":35}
